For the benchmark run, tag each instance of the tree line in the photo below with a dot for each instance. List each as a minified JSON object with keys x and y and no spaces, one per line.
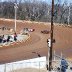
{"x":36,"y":10}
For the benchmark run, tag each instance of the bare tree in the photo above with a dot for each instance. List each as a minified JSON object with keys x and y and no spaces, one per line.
{"x":35,"y":10}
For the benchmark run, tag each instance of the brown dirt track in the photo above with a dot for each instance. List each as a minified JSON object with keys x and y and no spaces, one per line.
{"x":36,"y":42}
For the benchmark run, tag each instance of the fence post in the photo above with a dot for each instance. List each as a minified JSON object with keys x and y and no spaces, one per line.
{"x":5,"y":68}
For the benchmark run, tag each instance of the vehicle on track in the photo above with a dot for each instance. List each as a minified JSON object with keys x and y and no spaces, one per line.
{"x":45,"y":32}
{"x":31,"y":30}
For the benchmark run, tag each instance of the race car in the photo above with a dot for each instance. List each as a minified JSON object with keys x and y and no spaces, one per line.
{"x":31,"y":30}
{"x":45,"y":32}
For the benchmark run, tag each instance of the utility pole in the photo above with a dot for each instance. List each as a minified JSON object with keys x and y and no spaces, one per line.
{"x":51,"y":37}
{"x":15,"y":14}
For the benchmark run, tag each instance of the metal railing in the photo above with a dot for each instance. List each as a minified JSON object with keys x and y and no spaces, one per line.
{"x":27,"y":64}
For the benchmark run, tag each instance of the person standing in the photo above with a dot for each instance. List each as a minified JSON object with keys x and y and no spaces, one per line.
{"x":15,"y":35}
{"x":8,"y":39}
{"x":64,"y":65}
{"x":0,"y":39}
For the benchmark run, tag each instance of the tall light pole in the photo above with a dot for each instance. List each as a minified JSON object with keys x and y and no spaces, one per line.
{"x":51,"y":37}
{"x":15,"y":7}
{"x":69,"y":16}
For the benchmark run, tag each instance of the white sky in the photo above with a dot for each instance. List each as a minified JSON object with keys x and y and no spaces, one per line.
{"x":49,"y":1}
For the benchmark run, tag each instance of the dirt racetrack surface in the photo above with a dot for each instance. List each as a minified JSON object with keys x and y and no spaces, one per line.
{"x":37,"y":41}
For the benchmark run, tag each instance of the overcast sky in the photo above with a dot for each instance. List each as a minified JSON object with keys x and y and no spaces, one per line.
{"x":49,"y":1}
{"x":62,"y":1}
